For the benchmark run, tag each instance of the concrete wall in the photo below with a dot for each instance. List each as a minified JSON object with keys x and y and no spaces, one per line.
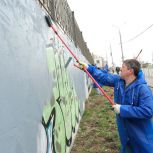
{"x":41,"y":96}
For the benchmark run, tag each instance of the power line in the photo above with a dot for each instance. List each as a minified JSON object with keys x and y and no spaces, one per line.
{"x":138,"y":34}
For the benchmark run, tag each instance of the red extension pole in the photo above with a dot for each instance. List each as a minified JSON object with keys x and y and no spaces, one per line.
{"x":49,"y":22}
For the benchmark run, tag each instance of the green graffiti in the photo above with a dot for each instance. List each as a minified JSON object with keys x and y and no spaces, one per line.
{"x":59,"y":132}
{"x":61,"y":113}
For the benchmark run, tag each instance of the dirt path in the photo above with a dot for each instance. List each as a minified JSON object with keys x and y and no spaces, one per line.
{"x":97,"y":132}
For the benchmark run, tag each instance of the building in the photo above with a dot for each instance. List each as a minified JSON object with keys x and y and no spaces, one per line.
{"x":99,"y":60}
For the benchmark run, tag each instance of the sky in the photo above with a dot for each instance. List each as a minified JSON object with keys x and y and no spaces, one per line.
{"x":101,"y":20}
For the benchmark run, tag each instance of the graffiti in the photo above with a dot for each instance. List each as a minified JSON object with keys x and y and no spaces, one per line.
{"x":42,"y":94}
{"x":61,"y":115}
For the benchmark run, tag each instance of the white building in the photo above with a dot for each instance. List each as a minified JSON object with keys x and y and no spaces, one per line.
{"x":99,"y":61}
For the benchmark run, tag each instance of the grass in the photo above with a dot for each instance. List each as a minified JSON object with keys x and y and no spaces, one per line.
{"x":97,"y":132}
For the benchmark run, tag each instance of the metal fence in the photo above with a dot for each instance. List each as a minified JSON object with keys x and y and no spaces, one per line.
{"x":148,"y":71}
{"x":61,"y":13}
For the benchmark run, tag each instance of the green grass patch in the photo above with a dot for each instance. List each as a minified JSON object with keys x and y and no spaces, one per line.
{"x":98,"y":131}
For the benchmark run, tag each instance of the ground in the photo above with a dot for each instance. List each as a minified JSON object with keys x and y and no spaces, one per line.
{"x":97,"y":132}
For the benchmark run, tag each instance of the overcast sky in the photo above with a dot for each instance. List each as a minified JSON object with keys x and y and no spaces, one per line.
{"x":101,"y":20}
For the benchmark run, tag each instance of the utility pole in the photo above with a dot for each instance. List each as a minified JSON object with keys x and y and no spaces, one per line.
{"x":120,"y":41}
{"x":152,"y":58}
{"x":106,"y":59}
{"x":111,"y":55}
{"x":121,"y":46}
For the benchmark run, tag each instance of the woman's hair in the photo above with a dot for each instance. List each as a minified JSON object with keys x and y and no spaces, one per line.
{"x":133,"y":64}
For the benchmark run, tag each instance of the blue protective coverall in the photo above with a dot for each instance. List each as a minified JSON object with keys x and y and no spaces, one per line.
{"x":134,"y":121}
{"x":104,"y":70}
